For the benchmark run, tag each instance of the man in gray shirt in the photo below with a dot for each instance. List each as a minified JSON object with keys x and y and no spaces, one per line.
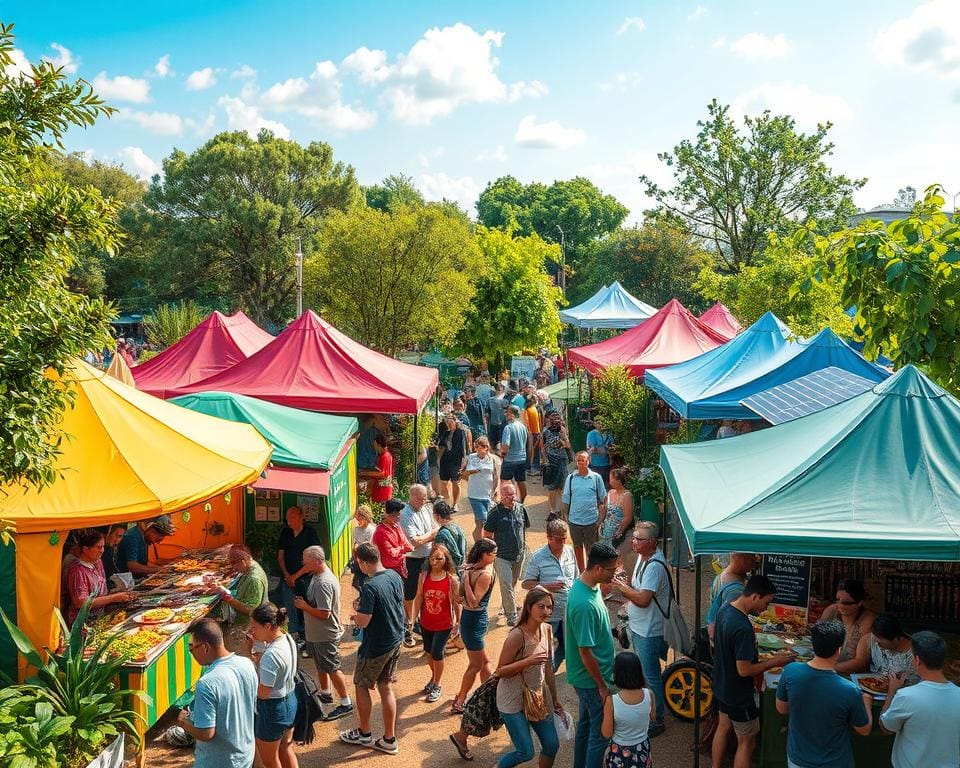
{"x":416,"y":520}
{"x":321,"y":617}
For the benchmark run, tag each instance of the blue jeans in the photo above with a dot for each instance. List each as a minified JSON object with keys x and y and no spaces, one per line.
{"x":558,"y":646}
{"x":519,"y":729}
{"x":590,"y":744}
{"x":651,"y":650}
{"x":294,"y":617}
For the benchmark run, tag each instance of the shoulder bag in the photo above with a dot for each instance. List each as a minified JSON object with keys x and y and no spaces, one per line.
{"x":676,"y":634}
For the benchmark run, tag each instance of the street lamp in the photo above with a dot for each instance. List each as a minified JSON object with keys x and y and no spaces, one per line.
{"x":299,"y":255}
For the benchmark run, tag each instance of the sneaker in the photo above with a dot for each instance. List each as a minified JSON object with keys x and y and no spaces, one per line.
{"x":655,"y":729}
{"x":341,"y":710}
{"x":357,"y":738}
{"x":429,"y":686}
{"x":325,"y":698}
{"x":408,"y":641}
{"x":390,"y":747}
{"x":512,"y":621}
{"x":416,"y":629}
{"x":434,"y":694}
{"x":356,"y":631}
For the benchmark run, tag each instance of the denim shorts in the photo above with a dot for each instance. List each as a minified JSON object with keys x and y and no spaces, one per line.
{"x":473,"y":628}
{"x":480,"y":508}
{"x":275,"y":717}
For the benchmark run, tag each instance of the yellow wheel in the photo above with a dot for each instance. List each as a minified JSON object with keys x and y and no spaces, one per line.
{"x":678,"y":685}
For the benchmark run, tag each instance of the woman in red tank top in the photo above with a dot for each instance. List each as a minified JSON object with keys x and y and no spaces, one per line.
{"x":438,"y":606}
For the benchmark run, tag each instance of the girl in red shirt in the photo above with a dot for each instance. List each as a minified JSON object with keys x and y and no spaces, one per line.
{"x":383,"y":481}
{"x":438,"y":607}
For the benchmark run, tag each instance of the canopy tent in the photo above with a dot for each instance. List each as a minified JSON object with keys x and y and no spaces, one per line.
{"x":686,"y":385}
{"x":572,"y":389}
{"x":670,"y":336}
{"x":302,"y":439}
{"x":720,"y":397}
{"x":877,"y":476}
{"x":721,"y":320}
{"x":610,"y":307}
{"x":311,"y":365}
{"x":213,"y":346}
{"x":129,"y":456}
{"x":119,"y":369}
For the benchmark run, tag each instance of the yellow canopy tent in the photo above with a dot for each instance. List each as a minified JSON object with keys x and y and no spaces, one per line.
{"x":127,"y":456}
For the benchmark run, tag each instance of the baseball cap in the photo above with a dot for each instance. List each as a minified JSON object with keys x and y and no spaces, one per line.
{"x":164,"y":525}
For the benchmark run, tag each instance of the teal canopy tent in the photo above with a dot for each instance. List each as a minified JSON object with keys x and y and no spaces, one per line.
{"x":877,"y":476}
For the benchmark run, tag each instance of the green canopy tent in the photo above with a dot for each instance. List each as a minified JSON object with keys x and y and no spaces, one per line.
{"x":570,"y":390}
{"x":313,"y":467}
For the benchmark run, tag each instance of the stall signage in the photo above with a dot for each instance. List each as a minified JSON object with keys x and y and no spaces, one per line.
{"x":523,"y":366}
{"x":790,"y":574}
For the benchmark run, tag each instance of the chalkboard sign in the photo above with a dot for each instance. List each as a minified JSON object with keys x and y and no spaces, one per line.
{"x":790,"y":574}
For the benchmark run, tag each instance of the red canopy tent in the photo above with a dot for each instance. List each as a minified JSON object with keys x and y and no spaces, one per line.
{"x":671,"y":336}
{"x":217,"y":343}
{"x":311,"y":365}
{"x":721,"y":320}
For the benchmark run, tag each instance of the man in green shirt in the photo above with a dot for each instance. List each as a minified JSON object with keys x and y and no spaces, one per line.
{"x":590,"y":652}
{"x":248,"y":593}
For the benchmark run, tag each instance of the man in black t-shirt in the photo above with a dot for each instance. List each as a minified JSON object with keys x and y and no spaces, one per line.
{"x":380,"y":615}
{"x":295,"y":537}
{"x":734,"y":667}
{"x":506,"y":524}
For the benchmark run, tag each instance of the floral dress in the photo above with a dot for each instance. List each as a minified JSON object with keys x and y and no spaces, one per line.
{"x":613,"y":520}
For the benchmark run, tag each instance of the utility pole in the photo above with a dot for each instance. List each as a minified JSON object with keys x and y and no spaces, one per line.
{"x":299,"y":255}
{"x":563,"y":263}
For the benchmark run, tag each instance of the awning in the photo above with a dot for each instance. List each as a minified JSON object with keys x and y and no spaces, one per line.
{"x":308,"y":481}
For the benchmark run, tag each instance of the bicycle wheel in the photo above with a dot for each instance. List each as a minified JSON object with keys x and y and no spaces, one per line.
{"x":678,"y":684}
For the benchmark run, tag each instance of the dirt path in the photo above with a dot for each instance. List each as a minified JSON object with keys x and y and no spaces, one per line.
{"x":423,"y":728}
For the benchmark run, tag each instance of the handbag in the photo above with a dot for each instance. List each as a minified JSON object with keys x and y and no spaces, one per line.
{"x":676,"y":634}
{"x":534,"y":702}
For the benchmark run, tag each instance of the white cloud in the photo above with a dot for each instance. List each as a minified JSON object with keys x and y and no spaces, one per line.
{"x":498,"y":155}
{"x":548,"y":135}
{"x":283,"y":94}
{"x":244,"y":72}
{"x":201,"y":79}
{"x":19,"y":65}
{"x":160,"y":123}
{"x":318,"y":98}
{"x":439,"y":186}
{"x":64,"y":59}
{"x":370,"y":66}
{"x":720,"y":42}
{"x":162,"y":67}
{"x":203,"y":127}
{"x":426,"y":158}
{"x":799,"y":101}
{"x":121,"y":88}
{"x":698,"y":13}
{"x":928,"y":40}
{"x":631,"y":22}
{"x":246,"y":117}
{"x":137,"y":162}
{"x":446,"y":68}
{"x":622,"y":82}
{"x":756,"y":45}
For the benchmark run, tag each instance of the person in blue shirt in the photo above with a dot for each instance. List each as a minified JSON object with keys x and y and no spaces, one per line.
{"x":599,"y":443}
{"x":822,"y":706}
{"x":514,"y":447}
{"x":133,"y":550}
{"x":366,"y":453}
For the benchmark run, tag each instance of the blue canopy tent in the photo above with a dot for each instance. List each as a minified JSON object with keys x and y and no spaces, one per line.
{"x":685,"y":385}
{"x":719,"y":397}
{"x":610,"y":307}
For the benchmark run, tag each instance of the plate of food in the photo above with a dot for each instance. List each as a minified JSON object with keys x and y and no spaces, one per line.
{"x":769,"y":640}
{"x":873,"y":684}
{"x":154,"y":616}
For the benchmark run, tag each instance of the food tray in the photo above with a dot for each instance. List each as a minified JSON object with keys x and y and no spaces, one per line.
{"x":858,"y":676}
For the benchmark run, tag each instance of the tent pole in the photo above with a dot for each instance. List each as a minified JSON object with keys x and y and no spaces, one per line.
{"x":416,"y":444}
{"x":698,"y":590}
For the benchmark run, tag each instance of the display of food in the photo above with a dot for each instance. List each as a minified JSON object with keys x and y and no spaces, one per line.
{"x":189,"y":565}
{"x":874,"y":684}
{"x":155,"y":616}
{"x":136,"y":644}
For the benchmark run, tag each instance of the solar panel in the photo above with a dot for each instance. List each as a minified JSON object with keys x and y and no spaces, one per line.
{"x":806,"y":394}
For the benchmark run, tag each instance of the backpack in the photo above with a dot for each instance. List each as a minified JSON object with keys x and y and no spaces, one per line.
{"x":309,"y":709}
{"x":676,"y":634}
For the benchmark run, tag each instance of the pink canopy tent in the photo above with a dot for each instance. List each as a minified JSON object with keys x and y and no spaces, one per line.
{"x":311,"y":365}
{"x":217,"y":343}
{"x":671,"y":336}
{"x":721,"y":320}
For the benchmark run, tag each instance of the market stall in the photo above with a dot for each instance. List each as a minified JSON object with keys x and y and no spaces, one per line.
{"x":610,"y":307}
{"x":872,"y":483}
{"x":313,"y":467}
{"x":721,"y":320}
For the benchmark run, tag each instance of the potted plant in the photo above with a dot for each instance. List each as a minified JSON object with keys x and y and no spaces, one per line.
{"x":647,"y":486}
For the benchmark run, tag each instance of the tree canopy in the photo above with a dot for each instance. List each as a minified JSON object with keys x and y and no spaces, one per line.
{"x":45,"y":224}
{"x":394,"y":191}
{"x":393,"y":278}
{"x":733,"y":187}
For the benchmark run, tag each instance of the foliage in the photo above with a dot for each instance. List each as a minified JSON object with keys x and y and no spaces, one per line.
{"x":768,"y":285}
{"x":648,"y":484}
{"x":904,"y":280}
{"x":404,"y":468}
{"x":621,"y":406}
{"x":575,"y":206}
{"x":171,"y":322}
{"x":732,"y":187}
{"x":515,"y":304}
{"x":395,"y":191}
{"x":656,"y":262}
{"x":394,"y":278}
{"x":30,"y":734}
{"x":84,"y":690}
{"x":228,"y":216}
{"x":45,"y":225}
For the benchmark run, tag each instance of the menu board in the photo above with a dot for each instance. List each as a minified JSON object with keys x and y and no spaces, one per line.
{"x":790,"y":574}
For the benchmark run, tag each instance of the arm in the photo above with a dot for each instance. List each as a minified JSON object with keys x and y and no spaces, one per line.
{"x":283,"y":569}
{"x":864,"y":730}
{"x":606,"y":728}
{"x":752,"y":669}
{"x":455,"y":607}
{"x":418,"y":600}
{"x":473,"y":595}
{"x":627,"y":503}
{"x":640,"y":597}
{"x":549,"y":676}
{"x":783,"y":707}
{"x":362,"y":619}
{"x":894,"y":683}
{"x":138,"y":569}
{"x":200,"y":734}
{"x":593,"y":669}
{"x":861,"y":659}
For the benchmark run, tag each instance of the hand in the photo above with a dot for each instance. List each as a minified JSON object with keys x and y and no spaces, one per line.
{"x":537,"y":658}
{"x":553,"y":586}
{"x":604,"y":692}
{"x":558,"y":707}
{"x":290,"y":580}
{"x":299,"y":603}
{"x":782,"y":658}
{"x":895,"y":682}
{"x":184,"y":717}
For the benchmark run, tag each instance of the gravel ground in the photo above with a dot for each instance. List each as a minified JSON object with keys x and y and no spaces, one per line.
{"x":423,"y":728}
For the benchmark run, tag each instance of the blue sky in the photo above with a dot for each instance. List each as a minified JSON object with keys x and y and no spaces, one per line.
{"x":456,"y":95}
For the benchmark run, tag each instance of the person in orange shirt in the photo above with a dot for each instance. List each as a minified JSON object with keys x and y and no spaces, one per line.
{"x":533,"y":426}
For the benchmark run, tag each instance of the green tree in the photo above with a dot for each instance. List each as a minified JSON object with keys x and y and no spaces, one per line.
{"x":769,"y":284}
{"x":732,"y":187}
{"x":904,"y":279}
{"x":394,"y":191}
{"x":621,"y":406}
{"x":229,"y":214}
{"x":394,"y":278}
{"x":655,"y":262}
{"x":574,"y":213}
{"x":171,"y":322}
{"x":45,"y":224}
{"x":515,"y":304}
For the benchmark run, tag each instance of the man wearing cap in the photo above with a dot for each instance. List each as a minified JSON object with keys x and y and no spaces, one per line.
{"x":132,"y":554}
{"x":476,"y":411}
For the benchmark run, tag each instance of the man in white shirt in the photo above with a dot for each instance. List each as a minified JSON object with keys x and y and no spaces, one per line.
{"x":416,"y":520}
{"x":648,"y":593}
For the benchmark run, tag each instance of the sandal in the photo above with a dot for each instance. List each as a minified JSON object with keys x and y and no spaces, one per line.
{"x":464,"y":751}
{"x":457,"y":707}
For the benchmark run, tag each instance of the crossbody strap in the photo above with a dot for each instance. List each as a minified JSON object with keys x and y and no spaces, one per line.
{"x":665,"y":614}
